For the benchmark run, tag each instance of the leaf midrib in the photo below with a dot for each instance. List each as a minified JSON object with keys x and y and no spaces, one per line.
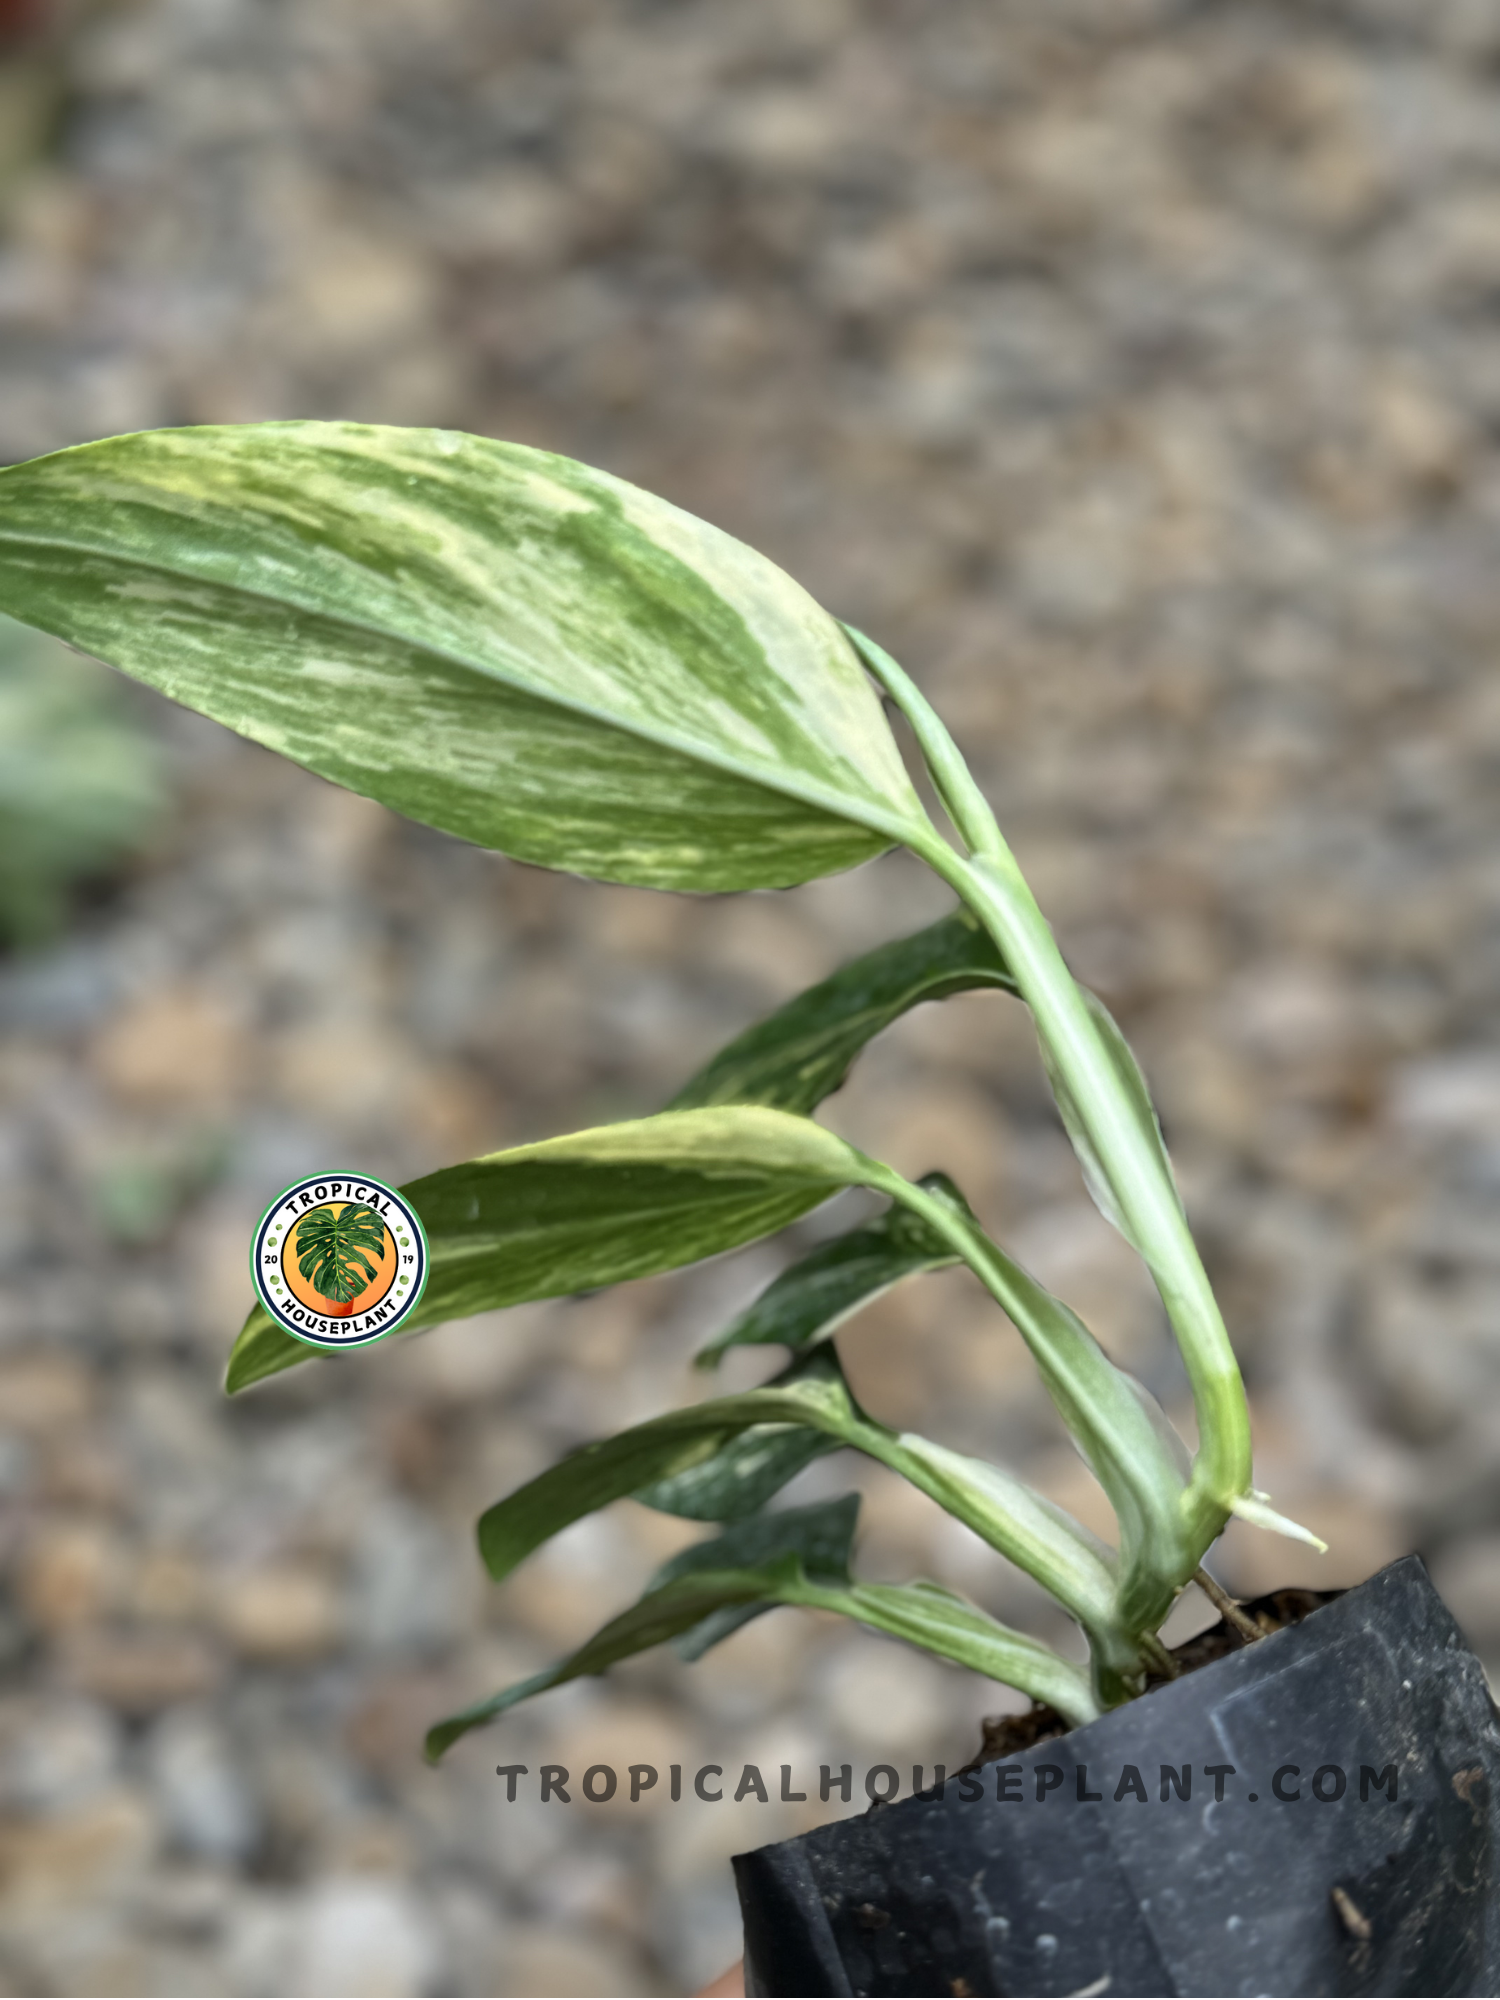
{"x":808,"y":793}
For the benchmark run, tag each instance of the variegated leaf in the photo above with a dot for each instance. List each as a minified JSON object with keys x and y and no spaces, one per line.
{"x":800,"y":1054}
{"x":821,"y":1290}
{"x":821,"y":1536}
{"x":923,"y":1614}
{"x":503,"y":643}
{"x":740,"y":1477}
{"x":1037,"y":1535}
{"x":594,"y":1208}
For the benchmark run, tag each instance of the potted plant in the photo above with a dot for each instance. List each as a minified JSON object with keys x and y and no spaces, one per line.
{"x":540,"y":658}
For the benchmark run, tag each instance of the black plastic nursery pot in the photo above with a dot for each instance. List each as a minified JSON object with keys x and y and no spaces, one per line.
{"x":1315,"y":1813}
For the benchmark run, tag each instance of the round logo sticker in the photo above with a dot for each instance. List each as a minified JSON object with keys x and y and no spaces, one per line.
{"x":339,"y":1260}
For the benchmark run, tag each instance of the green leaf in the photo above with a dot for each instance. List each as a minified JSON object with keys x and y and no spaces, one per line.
{"x":1106,"y":1101}
{"x":516,"y":648}
{"x":924,"y":1614}
{"x":595,"y":1208}
{"x":788,"y":1062}
{"x":738,"y":1477}
{"x":812,"y":1392}
{"x":821,"y":1536}
{"x":1138,"y":1096}
{"x":941,"y":1622}
{"x":820,"y":1291}
{"x":674,"y":1606}
{"x":801,"y":1054}
{"x":660,"y":1616}
{"x":1037,"y":1535}
{"x":741,"y":1475}
{"x":1122,"y":1433}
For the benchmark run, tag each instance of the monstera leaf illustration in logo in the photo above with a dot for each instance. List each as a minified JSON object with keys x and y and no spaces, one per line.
{"x":331,"y":1246}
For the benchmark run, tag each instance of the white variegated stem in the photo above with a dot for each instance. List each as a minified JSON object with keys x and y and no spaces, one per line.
{"x":962,"y":799}
{"x":1103,"y":1410}
{"x":976,"y":1640}
{"x":992,"y":885}
{"x":999,"y":896}
{"x":1036,"y":1535}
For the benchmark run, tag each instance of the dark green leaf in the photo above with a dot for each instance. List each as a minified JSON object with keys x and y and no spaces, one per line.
{"x":800,"y":1054}
{"x":505,"y":644}
{"x":663,"y":1614}
{"x":740,"y":1476}
{"x":821,"y":1535}
{"x":816,"y":1294}
{"x":1040,"y":1537}
{"x":924,"y":1614}
{"x":811,"y":1393}
{"x":595,"y":1208}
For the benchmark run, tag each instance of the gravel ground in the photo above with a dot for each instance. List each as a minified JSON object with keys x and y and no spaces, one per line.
{"x":1132,"y":371}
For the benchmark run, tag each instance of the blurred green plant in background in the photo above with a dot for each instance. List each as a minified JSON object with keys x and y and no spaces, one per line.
{"x":139,"y":1191}
{"x":80,"y":783}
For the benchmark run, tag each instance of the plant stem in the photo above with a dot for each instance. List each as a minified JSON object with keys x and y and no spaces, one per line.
{"x":962,"y":799}
{"x":992,"y":885}
{"x":1226,"y":1607}
{"x":1161,"y":1658}
{"x":1037,"y":1537}
{"x":1103,"y":1410}
{"x":999,"y":896}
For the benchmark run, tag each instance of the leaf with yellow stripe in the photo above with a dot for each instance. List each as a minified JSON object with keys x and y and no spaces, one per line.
{"x":500,"y":642}
{"x":596,"y":1208}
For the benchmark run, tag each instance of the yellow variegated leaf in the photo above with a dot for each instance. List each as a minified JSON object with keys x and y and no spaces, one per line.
{"x":503,"y":643}
{"x":595,"y":1208}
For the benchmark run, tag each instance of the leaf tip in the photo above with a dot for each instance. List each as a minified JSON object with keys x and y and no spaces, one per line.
{"x":260,"y":1351}
{"x":1253,"y":1507}
{"x":440,"y":1738}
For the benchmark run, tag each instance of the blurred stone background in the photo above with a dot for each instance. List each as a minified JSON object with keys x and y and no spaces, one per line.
{"x":1132,"y":369}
